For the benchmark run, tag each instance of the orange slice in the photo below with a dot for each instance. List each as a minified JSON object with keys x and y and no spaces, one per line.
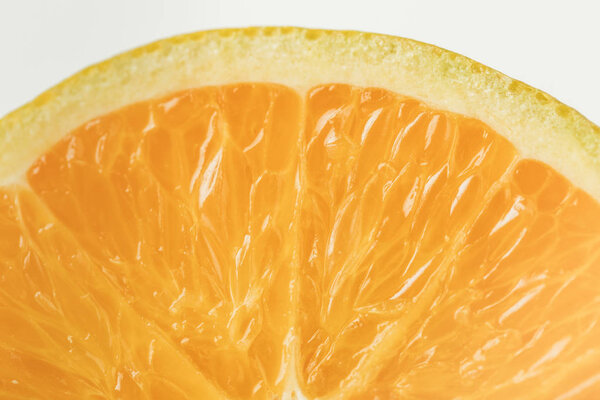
{"x":284,"y":213}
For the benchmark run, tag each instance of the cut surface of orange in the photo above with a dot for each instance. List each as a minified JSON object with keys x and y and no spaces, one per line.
{"x":271,"y":235}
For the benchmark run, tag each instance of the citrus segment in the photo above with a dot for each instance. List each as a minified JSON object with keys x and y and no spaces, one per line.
{"x":253,"y":241}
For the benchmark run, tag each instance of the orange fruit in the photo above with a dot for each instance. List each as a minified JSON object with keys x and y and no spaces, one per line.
{"x":298,"y":214}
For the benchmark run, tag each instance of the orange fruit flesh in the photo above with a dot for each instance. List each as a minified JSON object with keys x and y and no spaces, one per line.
{"x":246,"y":241}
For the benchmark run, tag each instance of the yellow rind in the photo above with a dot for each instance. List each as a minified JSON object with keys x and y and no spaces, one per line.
{"x":538,"y":125}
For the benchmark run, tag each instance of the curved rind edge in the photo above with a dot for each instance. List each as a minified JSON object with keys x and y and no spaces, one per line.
{"x":538,"y":125}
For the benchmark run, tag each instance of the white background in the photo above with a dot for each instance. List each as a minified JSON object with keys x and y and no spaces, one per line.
{"x":553,"y":45}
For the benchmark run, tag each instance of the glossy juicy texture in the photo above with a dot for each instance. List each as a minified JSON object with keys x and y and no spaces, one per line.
{"x":249,"y":242}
